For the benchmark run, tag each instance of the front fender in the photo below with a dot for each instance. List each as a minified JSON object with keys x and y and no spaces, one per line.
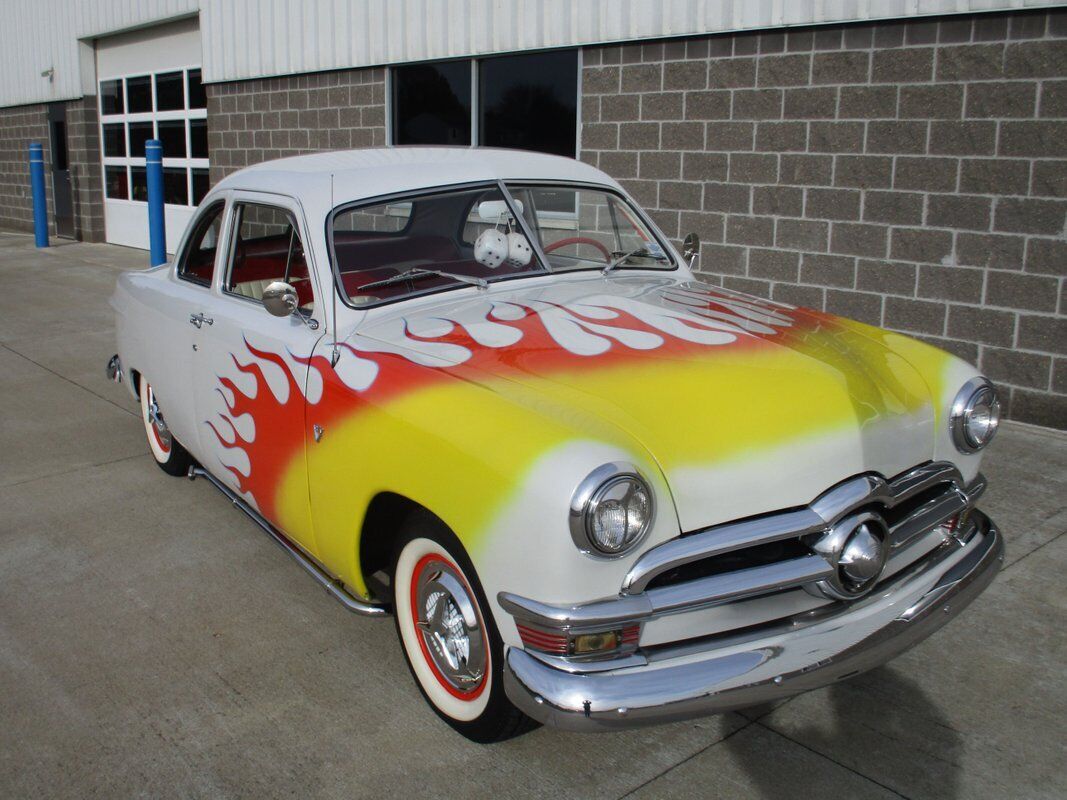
{"x":497,"y":471}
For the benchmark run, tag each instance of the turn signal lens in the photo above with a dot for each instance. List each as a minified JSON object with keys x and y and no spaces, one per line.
{"x":544,"y":641}
{"x":581,"y":644}
{"x":585,"y":643}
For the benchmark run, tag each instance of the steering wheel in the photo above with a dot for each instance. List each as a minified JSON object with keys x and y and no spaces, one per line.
{"x":579,"y":240}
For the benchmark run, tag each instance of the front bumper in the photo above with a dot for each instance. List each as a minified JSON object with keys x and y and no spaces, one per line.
{"x":739,"y":671}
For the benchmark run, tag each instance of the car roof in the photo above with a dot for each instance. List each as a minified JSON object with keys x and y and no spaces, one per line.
{"x":333,"y":178}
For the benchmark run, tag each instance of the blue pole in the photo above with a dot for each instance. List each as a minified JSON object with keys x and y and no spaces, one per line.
{"x":40,"y":204}
{"x":157,"y":235}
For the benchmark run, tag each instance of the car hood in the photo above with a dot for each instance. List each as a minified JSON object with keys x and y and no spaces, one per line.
{"x":745,"y":405}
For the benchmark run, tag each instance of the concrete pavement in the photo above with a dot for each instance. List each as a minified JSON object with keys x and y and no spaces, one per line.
{"x":153,"y":642}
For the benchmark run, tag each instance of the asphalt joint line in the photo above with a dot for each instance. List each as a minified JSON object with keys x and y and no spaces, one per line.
{"x":68,"y":380}
{"x":687,"y":759}
{"x":831,"y":759}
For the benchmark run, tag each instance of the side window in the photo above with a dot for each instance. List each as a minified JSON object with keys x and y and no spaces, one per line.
{"x":198,"y":259}
{"x":267,"y":248}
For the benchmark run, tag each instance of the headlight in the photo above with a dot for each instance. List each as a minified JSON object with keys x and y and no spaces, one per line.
{"x":975,"y":415}
{"x":611,"y":510}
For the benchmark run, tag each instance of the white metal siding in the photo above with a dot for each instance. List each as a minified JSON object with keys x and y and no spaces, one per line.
{"x":36,"y":35}
{"x":255,"y":38}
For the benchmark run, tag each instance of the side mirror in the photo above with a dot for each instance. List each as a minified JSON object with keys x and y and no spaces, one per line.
{"x":280,"y":299}
{"x":691,"y":248}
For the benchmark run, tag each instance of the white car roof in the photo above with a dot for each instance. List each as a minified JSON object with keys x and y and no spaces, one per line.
{"x":359,"y":174}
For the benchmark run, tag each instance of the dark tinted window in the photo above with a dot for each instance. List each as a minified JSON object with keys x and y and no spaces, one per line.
{"x":116,"y":184}
{"x":530,"y":102}
{"x":139,"y":94}
{"x":111,"y":97}
{"x":172,"y":137}
{"x":201,"y":184}
{"x":432,"y":103}
{"x":140,"y":132}
{"x":170,"y":91}
{"x":198,"y":258}
{"x":115,"y":140}
{"x":138,"y":183}
{"x":198,"y":138}
{"x":175,"y":187}
{"x":197,"y":95}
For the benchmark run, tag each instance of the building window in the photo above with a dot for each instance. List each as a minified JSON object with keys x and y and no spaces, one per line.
{"x":169,"y":106}
{"x":528,"y":102}
{"x":432,"y":103}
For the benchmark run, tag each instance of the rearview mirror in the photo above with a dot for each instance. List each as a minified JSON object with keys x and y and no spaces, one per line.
{"x":691,"y":248}
{"x":493,"y":211}
{"x":280,"y":299}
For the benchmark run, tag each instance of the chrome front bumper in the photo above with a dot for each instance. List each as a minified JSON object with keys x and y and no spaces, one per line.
{"x":741,"y":670}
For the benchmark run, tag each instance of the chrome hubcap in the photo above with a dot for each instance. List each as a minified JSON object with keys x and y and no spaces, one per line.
{"x":450,"y":627}
{"x":154,"y":417}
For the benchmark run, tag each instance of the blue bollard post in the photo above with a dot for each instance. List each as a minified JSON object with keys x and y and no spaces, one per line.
{"x":157,"y":234}
{"x":40,"y":204}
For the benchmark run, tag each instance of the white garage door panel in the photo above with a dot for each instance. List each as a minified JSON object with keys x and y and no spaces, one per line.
{"x":127,"y":223}
{"x":156,"y":49}
{"x":160,"y":50}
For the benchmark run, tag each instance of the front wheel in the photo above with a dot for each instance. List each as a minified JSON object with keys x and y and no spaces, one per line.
{"x":451,"y":644}
{"x":171,"y":457}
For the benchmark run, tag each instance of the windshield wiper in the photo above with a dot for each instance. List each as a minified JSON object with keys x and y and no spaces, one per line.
{"x":417,"y":272}
{"x":620,"y":258}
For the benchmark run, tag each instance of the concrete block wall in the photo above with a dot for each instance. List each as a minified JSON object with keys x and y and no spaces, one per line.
{"x":20,"y":125}
{"x":86,"y":177}
{"x":911,"y":175}
{"x":258,"y":120}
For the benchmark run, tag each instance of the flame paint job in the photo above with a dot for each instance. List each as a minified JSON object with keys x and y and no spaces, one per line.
{"x":457,"y":404}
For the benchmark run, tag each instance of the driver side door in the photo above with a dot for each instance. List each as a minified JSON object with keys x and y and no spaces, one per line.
{"x":251,"y":367}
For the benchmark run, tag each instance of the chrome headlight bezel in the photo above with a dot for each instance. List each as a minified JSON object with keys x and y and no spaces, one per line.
{"x":589,"y":494}
{"x":967,"y":399}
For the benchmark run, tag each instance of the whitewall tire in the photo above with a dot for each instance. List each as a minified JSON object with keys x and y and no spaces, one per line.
{"x":168,"y":453}
{"x":447,"y":633}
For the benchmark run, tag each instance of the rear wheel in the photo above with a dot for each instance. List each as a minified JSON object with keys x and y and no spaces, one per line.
{"x":166,"y":450}
{"x":448,"y":636}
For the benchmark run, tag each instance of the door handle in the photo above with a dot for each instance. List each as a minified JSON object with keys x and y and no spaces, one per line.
{"x":199,"y":320}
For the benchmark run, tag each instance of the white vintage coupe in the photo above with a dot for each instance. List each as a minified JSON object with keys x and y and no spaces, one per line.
{"x":480,"y":389}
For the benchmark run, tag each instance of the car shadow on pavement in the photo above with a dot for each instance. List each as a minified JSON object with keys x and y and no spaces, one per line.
{"x":880,"y":725}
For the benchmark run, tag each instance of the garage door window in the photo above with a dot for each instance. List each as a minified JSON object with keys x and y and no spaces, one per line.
{"x":169,"y":106}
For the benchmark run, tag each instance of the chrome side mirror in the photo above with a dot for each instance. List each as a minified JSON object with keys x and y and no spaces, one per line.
{"x":280,"y":299}
{"x":691,"y":248}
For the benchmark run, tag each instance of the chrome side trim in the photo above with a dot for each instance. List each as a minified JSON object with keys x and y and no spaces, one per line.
{"x":819,"y":515}
{"x":716,"y":677}
{"x":333,"y":586}
{"x":600,"y":613}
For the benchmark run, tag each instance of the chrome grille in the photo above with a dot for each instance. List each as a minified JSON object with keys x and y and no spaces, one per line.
{"x":766,"y":568}
{"x":693,"y":565}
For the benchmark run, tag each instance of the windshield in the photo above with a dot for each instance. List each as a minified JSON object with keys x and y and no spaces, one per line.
{"x":455,"y":238}
{"x":427,"y":243}
{"x":581,"y":228}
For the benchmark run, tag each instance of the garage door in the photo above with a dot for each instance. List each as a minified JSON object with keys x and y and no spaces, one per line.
{"x":150,"y":88}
